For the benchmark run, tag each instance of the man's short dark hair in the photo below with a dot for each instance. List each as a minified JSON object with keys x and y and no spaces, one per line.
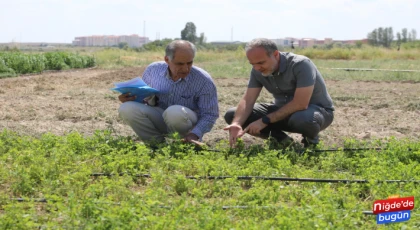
{"x":265,"y":43}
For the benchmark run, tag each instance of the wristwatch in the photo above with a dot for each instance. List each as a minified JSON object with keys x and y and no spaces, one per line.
{"x":266,"y":120}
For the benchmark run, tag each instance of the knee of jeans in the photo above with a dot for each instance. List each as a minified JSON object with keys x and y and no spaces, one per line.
{"x":229,"y":115}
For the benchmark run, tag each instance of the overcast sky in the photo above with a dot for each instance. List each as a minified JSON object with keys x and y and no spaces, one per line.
{"x":62,"y":20}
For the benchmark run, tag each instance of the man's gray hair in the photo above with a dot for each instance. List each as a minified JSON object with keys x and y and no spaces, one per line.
{"x":265,"y":43}
{"x":171,"y":48}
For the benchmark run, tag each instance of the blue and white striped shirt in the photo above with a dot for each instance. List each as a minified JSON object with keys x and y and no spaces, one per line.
{"x":197,"y":92}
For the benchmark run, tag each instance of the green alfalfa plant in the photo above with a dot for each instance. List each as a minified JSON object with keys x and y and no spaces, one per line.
{"x":176,"y":147}
{"x":236,"y":150}
{"x":180,"y":185}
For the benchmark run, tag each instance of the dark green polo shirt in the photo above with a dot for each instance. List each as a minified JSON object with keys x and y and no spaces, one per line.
{"x":295,"y":71}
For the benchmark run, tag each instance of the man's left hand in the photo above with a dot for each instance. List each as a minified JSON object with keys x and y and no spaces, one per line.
{"x":255,"y":127}
{"x":192,"y":138}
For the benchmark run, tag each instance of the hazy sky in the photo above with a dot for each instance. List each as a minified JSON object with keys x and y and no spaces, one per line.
{"x":62,"y":20}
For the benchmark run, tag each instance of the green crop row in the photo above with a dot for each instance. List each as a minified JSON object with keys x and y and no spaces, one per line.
{"x":59,"y":168}
{"x":15,"y":63}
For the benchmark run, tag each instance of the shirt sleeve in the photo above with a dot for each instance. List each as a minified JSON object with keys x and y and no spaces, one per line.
{"x":305,"y":73}
{"x":208,"y":109}
{"x":146,"y":75}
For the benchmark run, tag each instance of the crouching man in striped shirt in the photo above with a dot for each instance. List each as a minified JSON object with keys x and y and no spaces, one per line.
{"x":187,"y":102}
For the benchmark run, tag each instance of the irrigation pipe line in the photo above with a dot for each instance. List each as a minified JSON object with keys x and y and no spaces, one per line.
{"x":386,"y":70}
{"x":347,"y":149}
{"x":224,"y":207}
{"x":204,"y":147}
{"x":266,"y":178}
{"x":43,"y":200}
{"x":321,"y":150}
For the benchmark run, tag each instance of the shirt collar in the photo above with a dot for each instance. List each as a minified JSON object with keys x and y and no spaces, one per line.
{"x":282,"y":63}
{"x":169,"y":76}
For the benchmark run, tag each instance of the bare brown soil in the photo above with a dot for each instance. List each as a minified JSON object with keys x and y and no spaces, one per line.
{"x":61,"y":102}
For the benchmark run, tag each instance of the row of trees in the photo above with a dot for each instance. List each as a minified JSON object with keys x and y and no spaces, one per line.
{"x":378,"y":37}
{"x":402,"y":37}
{"x":385,"y":36}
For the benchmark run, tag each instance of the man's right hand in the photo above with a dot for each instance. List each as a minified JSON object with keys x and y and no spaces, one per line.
{"x":235,"y":131}
{"x":126,"y":97}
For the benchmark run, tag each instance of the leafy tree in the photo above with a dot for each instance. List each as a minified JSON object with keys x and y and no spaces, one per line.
{"x":381,"y":37}
{"x":398,"y":37}
{"x":404,"y":35}
{"x":189,"y":32}
{"x":372,"y":37}
{"x":123,"y":45}
{"x":413,"y":34}
{"x":202,"y":39}
{"x":390,"y":35}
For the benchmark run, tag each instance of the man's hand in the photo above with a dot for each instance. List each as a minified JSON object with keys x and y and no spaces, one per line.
{"x":235,"y":131}
{"x":192,"y":138}
{"x":126,"y":97}
{"x":255,"y":127}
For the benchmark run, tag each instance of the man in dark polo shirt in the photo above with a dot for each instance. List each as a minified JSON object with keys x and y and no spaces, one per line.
{"x":301,"y":100}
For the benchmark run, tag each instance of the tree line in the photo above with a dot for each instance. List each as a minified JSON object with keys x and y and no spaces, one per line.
{"x":382,"y":36}
{"x":378,"y":37}
{"x":385,"y":36}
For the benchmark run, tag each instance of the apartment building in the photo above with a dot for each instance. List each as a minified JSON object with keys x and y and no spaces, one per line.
{"x":310,"y":42}
{"x":133,"y":40}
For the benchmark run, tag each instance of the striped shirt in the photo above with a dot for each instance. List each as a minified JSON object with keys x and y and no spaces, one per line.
{"x":197,"y":92}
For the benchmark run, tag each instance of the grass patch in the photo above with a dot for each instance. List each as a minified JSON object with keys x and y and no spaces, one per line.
{"x":413,"y":106}
{"x":350,"y":98}
{"x":380,"y":106}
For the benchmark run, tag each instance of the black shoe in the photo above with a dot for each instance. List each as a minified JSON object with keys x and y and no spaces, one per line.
{"x":308,"y":144}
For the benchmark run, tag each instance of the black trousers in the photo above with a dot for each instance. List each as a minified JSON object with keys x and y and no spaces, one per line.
{"x":308,"y":122}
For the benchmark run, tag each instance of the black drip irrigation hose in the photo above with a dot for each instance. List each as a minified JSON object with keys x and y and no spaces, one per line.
{"x":120,"y":174}
{"x":265,"y":178}
{"x":38,"y":200}
{"x":43,"y":200}
{"x":324,"y":150}
{"x":385,"y":70}
{"x":345,"y":150}
{"x":224,"y":207}
{"x":348,"y":149}
{"x":299,"y":179}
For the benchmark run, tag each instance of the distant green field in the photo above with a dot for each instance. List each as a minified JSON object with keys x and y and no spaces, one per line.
{"x":223,"y":63}
{"x":233,"y":64}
